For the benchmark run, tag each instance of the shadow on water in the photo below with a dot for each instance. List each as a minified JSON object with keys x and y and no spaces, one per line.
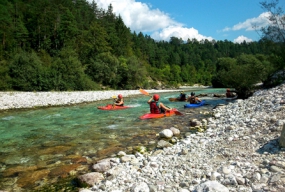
{"x":49,"y":145}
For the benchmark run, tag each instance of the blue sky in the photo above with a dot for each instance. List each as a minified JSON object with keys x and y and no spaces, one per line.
{"x":201,"y":19}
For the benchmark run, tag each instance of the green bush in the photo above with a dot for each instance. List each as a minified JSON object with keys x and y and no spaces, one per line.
{"x":26,"y":71}
{"x":242,"y":73}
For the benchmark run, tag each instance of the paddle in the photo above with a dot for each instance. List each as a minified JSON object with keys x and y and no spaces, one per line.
{"x":114,"y":97}
{"x":146,"y":93}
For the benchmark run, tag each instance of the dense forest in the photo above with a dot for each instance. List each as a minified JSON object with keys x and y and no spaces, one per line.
{"x":66,"y":45}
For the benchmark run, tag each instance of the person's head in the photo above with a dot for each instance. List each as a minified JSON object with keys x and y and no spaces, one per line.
{"x":192,"y":93}
{"x":182,"y":92}
{"x":228,"y":90}
{"x":120,"y":96}
{"x":156,"y":97}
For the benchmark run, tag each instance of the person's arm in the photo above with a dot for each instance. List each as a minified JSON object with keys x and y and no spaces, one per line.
{"x":120,"y":103}
{"x":198,"y":99}
{"x":164,"y":107}
{"x":149,"y":101}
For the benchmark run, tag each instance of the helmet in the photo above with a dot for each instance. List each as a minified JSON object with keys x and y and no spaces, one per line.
{"x":182,"y":92}
{"x":120,"y":96}
{"x":156,"y":97}
{"x":192,"y":93}
{"x":228,"y":90}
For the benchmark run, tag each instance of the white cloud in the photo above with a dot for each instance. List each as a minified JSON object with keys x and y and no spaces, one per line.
{"x":251,"y":24}
{"x":140,"y":17}
{"x":241,"y":39}
{"x":179,"y":31}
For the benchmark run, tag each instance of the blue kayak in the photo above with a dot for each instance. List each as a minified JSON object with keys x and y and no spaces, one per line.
{"x":189,"y":105}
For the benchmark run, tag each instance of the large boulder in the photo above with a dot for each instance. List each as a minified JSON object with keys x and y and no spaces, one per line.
{"x":162,"y":144}
{"x":90,"y":178}
{"x":175,"y":131}
{"x":166,"y":133}
{"x":105,"y":164}
{"x":282,"y":138}
{"x":102,"y":166}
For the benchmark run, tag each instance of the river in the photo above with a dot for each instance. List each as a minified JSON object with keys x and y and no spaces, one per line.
{"x":43,"y":146}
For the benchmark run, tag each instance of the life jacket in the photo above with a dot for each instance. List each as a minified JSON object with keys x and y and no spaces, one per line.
{"x":192,"y":99}
{"x":118,"y":101}
{"x":229,"y":94}
{"x":183,"y":97}
{"x":154,"y":107}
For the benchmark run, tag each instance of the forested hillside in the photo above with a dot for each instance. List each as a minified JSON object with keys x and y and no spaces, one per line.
{"x":74,"y":45}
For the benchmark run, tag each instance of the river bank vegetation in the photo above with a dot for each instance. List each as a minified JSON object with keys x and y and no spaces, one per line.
{"x":75,"y":45}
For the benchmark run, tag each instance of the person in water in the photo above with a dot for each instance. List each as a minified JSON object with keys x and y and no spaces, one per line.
{"x":193,"y":99}
{"x":157,"y":107}
{"x":230,"y":94}
{"x":182,"y":96}
{"x":119,"y":101}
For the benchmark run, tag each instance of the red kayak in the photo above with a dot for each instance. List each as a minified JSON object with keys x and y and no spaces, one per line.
{"x":111,"y":107}
{"x":160,"y":115}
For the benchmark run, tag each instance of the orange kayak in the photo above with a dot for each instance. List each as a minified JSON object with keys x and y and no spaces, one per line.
{"x":111,"y":107}
{"x":160,"y":115}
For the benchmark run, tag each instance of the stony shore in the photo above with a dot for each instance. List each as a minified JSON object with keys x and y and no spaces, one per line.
{"x":241,"y":150}
{"x":18,"y":100}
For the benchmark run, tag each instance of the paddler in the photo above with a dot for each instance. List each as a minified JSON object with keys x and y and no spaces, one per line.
{"x":230,"y":94}
{"x":157,"y":107}
{"x":119,"y":101}
{"x":182,"y":96}
{"x":193,"y":99}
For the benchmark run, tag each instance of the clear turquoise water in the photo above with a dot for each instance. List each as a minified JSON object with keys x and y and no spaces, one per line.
{"x":47,"y":136}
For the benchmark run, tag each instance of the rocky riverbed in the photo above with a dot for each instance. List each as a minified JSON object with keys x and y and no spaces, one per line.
{"x":240,"y":150}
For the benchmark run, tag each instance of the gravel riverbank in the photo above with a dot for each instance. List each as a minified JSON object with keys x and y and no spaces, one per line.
{"x":17,"y":100}
{"x":239,"y":151}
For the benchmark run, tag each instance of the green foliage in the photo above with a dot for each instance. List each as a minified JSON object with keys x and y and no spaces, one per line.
{"x":103,"y":69}
{"x":6,"y":29}
{"x":242,"y":73}
{"x":75,"y":45}
{"x":68,"y":72}
{"x":67,"y":28}
{"x":274,"y":37}
{"x":26,"y":72}
{"x":175,"y":73}
{"x":93,"y":41}
{"x":5,"y":80}
{"x":135,"y":76}
{"x":275,"y":30}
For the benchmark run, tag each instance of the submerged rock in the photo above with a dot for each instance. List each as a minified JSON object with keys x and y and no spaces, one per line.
{"x":90,"y":178}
